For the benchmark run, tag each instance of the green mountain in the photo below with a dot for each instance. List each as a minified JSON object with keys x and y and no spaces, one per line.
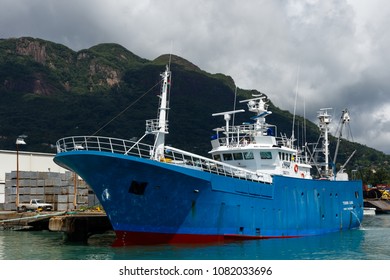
{"x":48,"y":91}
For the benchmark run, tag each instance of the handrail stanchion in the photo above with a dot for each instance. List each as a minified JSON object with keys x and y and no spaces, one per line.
{"x":111,"y":145}
{"x":124,"y":146}
{"x":86,"y":142}
{"x":74,"y":143}
{"x":98,"y":144}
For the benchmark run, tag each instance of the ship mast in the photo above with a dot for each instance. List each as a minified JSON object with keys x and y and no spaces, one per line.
{"x":325,"y":120}
{"x":159,"y":127}
{"x":344,"y":120}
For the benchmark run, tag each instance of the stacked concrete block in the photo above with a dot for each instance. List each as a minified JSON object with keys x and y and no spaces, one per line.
{"x":58,"y":189}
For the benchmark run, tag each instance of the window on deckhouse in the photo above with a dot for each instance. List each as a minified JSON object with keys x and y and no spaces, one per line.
{"x":248,"y":155}
{"x":237,"y":156}
{"x":217,"y":157}
{"x":266,"y":155}
{"x":227,"y":157}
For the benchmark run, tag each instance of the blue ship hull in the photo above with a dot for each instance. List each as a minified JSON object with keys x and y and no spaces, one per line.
{"x":151,"y":202}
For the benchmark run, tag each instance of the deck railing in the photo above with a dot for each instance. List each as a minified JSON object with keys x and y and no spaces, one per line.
{"x":104,"y":144}
{"x":179,"y":157}
{"x":171,"y":155}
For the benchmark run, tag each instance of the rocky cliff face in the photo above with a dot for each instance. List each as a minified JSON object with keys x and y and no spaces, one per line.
{"x":36,"y":66}
{"x":35,"y":49}
{"x":103,"y":75}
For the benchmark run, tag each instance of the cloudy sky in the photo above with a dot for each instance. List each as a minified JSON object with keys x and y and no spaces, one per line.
{"x":332,"y":53}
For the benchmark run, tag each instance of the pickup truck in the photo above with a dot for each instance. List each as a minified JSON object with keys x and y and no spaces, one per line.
{"x":35,"y":205}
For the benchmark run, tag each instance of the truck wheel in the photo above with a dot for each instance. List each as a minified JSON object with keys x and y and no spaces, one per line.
{"x":24,"y":209}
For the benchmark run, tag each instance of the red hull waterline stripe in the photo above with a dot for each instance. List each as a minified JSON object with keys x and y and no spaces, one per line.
{"x":124,"y":238}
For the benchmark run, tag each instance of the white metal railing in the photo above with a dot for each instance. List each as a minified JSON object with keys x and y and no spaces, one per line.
{"x":179,"y":157}
{"x":104,"y":144}
{"x":154,"y":125}
{"x":171,"y":155}
{"x":241,"y":135}
{"x":242,"y":141}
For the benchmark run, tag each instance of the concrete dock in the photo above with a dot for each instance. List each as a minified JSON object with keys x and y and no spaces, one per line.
{"x":76,"y":226}
{"x":13,"y":220}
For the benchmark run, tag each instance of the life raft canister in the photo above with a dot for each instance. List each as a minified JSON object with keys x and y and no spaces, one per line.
{"x":296,"y":168}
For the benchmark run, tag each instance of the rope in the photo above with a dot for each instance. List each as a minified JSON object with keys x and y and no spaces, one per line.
{"x":124,"y":110}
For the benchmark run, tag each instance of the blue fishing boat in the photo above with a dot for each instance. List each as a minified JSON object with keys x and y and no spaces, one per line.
{"x":254,"y":185}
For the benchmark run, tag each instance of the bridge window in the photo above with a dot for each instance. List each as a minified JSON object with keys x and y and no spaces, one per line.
{"x":248,"y":155}
{"x":227,"y":157}
{"x":217,"y":157}
{"x":266,"y":155}
{"x":237,"y":156}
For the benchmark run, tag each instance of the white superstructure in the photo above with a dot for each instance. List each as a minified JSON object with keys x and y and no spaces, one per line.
{"x":255,"y":147}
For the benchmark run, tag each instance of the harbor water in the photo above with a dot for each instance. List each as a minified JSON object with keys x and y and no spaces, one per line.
{"x":370,"y":242}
